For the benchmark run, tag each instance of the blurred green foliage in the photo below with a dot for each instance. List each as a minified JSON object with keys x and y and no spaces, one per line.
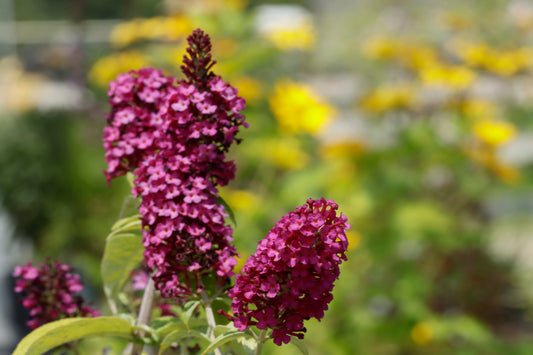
{"x":27,"y":10}
{"x":52,"y":189}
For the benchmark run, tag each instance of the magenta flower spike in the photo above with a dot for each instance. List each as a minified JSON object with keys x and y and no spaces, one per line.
{"x":173,"y":135}
{"x":50,"y":292}
{"x":290,"y":277}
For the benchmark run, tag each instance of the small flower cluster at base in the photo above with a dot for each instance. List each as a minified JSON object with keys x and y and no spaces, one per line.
{"x":173,"y":135}
{"x":50,"y":292}
{"x":290,"y":277}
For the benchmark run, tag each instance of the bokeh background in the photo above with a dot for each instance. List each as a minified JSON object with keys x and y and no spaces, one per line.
{"x":415,"y":116}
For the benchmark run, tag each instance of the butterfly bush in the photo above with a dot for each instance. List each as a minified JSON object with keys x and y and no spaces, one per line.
{"x":173,"y":136}
{"x":50,"y":292}
{"x":290,"y":277}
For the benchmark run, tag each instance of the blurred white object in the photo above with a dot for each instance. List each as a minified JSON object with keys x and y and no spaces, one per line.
{"x":519,"y":150}
{"x":271,"y":18}
{"x":8,"y":255}
{"x":22,"y":91}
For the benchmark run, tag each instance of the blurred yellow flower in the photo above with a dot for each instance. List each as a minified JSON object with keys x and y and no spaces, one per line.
{"x":478,"y":108}
{"x":354,"y":239}
{"x":507,"y":173}
{"x":213,"y":6}
{"x":510,"y":62}
{"x":298,"y":108}
{"x":342,"y":149}
{"x":285,"y":153}
{"x":249,"y":88}
{"x":107,"y":68}
{"x":419,"y":56}
{"x":501,"y":62}
{"x":487,"y":157}
{"x":383,"y":48}
{"x":494,"y":133}
{"x":224,"y":48}
{"x":504,"y":65}
{"x":389,"y":97}
{"x":473,"y":54}
{"x":151,"y":28}
{"x":239,"y":199}
{"x":455,"y":21}
{"x":448,"y":76}
{"x":124,"y":33}
{"x":238,"y":5}
{"x":174,"y":54}
{"x":410,"y":53}
{"x":164,"y":28}
{"x":19,"y":88}
{"x":422,"y":333}
{"x":298,"y":37}
{"x":241,"y":260}
{"x":177,"y":27}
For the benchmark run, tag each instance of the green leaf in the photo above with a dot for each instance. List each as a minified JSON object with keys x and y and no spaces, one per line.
{"x":127,"y":220}
{"x":122,"y":254}
{"x":248,"y":343}
{"x":128,"y":224}
{"x":222,"y":202}
{"x":172,"y":338}
{"x":221,"y":340}
{"x":134,"y":226}
{"x":188,"y":310}
{"x":177,"y":336}
{"x":300,"y":345}
{"x":66,"y":330}
{"x":218,"y":305}
{"x":221,"y":329}
{"x":130,"y":177}
{"x":166,"y":325}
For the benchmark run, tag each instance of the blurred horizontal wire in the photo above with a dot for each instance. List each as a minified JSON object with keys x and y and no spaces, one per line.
{"x":55,"y":32}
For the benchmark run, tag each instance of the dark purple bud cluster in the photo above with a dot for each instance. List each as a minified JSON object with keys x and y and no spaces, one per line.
{"x":197,"y":66}
{"x":50,"y":292}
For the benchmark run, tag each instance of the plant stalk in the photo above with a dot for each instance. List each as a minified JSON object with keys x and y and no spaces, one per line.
{"x":260,"y":341}
{"x":210,"y":319}
{"x":144,"y":313}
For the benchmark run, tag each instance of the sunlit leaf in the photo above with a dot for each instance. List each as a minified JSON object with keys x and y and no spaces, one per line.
{"x":66,"y":330}
{"x":221,"y":329}
{"x":300,"y":345}
{"x":123,"y":252}
{"x":128,"y":224}
{"x":221,"y":340}
{"x":188,"y":310}
{"x":248,"y":343}
{"x":179,"y":335}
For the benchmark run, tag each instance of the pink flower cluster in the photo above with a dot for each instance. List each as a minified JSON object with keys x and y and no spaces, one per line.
{"x":290,"y":277}
{"x":174,"y":135}
{"x":50,"y":292}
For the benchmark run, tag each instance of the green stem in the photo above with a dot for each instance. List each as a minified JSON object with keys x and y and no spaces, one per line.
{"x":144,"y":313}
{"x":260,"y":341}
{"x":211,"y":322}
